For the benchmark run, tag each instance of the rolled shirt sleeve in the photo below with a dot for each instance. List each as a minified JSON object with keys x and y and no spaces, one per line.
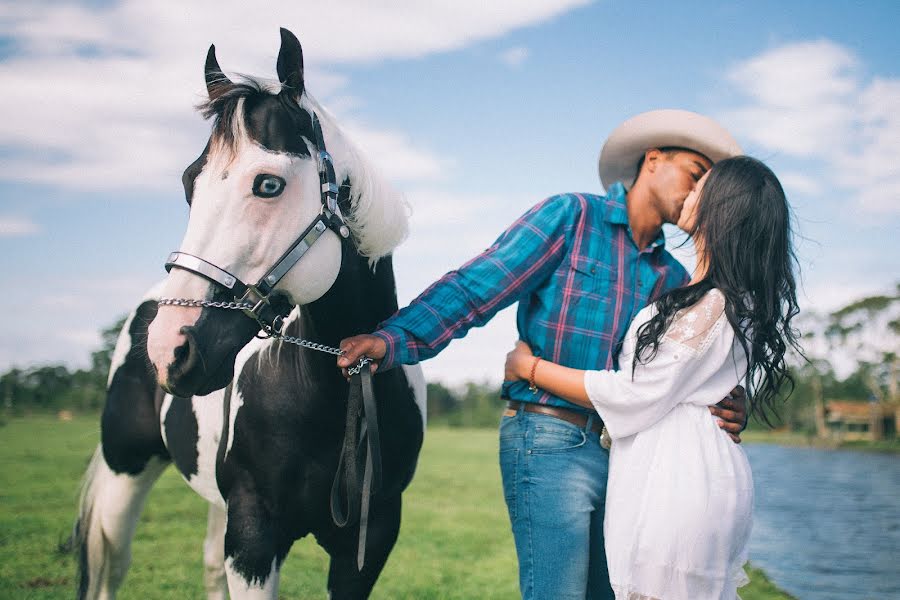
{"x":518,"y":262}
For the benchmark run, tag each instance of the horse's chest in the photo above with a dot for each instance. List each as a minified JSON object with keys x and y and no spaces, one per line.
{"x":192,"y":430}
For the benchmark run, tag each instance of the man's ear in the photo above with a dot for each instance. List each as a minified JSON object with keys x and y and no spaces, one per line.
{"x":651,"y":158}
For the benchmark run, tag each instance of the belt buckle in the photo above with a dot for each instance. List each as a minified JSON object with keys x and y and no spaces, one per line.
{"x":605,"y":439}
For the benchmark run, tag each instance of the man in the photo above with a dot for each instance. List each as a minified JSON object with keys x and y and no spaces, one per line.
{"x":580,"y":266}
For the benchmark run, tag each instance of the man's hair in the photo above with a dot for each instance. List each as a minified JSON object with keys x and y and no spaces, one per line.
{"x":667,"y":150}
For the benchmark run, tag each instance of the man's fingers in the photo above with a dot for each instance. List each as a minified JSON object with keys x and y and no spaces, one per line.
{"x":725,"y":414}
{"x":352,"y":351}
{"x":729,"y":427}
{"x":735,"y":438}
{"x":729,"y":403}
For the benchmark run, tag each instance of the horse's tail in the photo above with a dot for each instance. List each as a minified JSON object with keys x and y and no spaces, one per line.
{"x":88,"y":540}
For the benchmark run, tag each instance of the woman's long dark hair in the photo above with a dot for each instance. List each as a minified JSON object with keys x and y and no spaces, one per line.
{"x":743,"y":223}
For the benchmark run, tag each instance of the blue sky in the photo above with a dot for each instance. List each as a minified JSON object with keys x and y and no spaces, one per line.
{"x":476,"y":110}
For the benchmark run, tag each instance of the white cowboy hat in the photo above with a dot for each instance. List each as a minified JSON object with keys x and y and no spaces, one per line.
{"x":660,"y":129}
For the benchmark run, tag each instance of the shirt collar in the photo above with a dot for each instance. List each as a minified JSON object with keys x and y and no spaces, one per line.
{"x":617,"y":213}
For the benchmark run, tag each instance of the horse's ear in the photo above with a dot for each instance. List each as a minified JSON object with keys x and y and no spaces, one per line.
{"x":290,"y":64}
{"x":215,"y":78}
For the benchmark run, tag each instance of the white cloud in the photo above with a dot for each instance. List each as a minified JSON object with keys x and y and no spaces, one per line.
{"x":104,"y":95}
{"x":72,"y":313}
{"x":514,"y":57}
{"x":812,"y":100}
{"x":17,"y":226}
{"x":397,"y":156}
{"x":799,"y":183}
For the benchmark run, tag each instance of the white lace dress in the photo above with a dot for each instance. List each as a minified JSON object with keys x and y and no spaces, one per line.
{"x":680,"y":492}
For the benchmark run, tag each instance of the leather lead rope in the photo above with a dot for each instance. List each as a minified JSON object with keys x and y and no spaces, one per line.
{"x":361,"y":445}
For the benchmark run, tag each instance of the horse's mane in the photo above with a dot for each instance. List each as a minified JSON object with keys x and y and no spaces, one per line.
{"x":379,"y":214}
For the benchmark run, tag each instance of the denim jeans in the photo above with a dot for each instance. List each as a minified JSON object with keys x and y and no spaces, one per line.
{"x":554,"y":482}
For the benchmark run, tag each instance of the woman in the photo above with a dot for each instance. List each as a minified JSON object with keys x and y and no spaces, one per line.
{"x":680,"y":493}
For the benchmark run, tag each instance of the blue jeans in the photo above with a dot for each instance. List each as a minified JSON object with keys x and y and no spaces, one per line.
{"x":554,"y":482}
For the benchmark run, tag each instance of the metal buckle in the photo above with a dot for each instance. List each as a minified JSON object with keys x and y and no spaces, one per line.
{"x":254,"y":297}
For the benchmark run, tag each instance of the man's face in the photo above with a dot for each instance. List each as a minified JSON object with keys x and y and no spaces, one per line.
{"x":674,"y":176}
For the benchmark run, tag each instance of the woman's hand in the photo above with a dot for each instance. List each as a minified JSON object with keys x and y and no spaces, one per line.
{"x":518,"y":362}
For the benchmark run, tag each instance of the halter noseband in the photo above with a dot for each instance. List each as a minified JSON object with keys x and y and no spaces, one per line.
{"x":255,"y":298}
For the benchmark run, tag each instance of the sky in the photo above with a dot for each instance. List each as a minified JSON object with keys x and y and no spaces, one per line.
{"x":475,"y":110}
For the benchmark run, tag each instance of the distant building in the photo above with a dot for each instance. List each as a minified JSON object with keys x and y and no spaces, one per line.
{"x":847,"y":420}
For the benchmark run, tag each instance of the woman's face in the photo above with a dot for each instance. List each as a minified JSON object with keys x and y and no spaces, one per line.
{"x":688,"y":216}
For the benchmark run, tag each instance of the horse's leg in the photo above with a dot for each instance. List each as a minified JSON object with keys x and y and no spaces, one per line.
{"x":344,"y":579}
{"x":214,"y":555}
{"x":110,"y":508}
{"x":130,"y":458}
{"x":255,"y":545}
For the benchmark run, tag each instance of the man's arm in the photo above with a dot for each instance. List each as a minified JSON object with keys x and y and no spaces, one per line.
{"x":522,"y":258}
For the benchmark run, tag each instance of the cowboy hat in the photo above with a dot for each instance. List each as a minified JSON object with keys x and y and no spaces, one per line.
{"x":661,"y":129}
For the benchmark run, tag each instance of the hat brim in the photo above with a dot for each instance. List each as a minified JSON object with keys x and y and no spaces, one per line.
{"x":660,"y":129}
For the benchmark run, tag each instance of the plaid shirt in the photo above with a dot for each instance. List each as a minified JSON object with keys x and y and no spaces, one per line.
{"x":578,"y":276}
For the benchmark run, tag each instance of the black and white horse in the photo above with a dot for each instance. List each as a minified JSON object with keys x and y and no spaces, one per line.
{"x":255,"y":426}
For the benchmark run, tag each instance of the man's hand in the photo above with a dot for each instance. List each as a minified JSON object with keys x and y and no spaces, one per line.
{"x":732,"y":413}
{"x":361,"y":345}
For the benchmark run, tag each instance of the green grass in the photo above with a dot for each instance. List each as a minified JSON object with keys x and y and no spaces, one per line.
{"x":455,"y":541}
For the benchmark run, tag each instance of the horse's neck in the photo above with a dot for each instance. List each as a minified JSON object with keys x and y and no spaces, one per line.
{"x":357,"y":302}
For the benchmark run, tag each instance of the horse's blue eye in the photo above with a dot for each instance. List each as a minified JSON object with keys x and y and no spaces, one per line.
{"x":268,"y":186}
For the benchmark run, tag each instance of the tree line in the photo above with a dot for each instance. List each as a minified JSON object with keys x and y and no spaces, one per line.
{"x":851,"y":354}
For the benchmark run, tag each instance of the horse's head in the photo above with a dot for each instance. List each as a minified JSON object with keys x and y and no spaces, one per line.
{"x":253,"y":192}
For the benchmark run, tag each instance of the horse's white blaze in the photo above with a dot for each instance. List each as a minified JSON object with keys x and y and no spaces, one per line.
{"x":416,"y":378}
{"x":241,"y":589}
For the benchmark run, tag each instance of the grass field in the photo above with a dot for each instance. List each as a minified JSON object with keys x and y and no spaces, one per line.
{"x":455,"y":541}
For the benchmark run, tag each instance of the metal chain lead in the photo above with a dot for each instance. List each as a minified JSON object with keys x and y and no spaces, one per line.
{"x":204,"y":303}
{"x":270,"y":331}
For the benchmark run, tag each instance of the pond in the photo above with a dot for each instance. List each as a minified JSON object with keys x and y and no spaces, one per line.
{"x":827,"y":522}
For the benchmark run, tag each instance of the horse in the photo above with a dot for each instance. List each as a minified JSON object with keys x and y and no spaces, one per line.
{"x":255,"y":424}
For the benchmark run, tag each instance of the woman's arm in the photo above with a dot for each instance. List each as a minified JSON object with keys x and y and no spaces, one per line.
{"x":628,"y":402}
{"x":564,"y":382}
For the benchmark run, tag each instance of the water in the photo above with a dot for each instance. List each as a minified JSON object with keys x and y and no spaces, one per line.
{"x":827,"y":522}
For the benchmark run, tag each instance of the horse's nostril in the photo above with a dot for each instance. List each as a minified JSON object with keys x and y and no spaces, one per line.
{"x":186,"y":358}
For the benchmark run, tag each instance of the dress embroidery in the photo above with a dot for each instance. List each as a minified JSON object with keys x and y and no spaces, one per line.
{"x":693,"y":327}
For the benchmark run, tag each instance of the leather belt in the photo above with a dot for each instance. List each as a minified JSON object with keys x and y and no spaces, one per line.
{"x":570,"y":416}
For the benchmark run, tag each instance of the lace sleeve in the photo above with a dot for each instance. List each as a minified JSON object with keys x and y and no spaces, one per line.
{"x":690,"y":353}
{"x":694,"y":326}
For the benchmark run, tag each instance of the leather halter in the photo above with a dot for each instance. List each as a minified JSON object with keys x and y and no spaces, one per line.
{"x":256,"y":296}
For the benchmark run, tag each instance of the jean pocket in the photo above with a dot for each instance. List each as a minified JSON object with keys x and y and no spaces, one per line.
{"x":510,"y":428}
{"x":555,"y":435}
{"x":509,"y":470}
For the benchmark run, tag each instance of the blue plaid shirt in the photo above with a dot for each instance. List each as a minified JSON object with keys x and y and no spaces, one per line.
{"x":577,"y":274}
